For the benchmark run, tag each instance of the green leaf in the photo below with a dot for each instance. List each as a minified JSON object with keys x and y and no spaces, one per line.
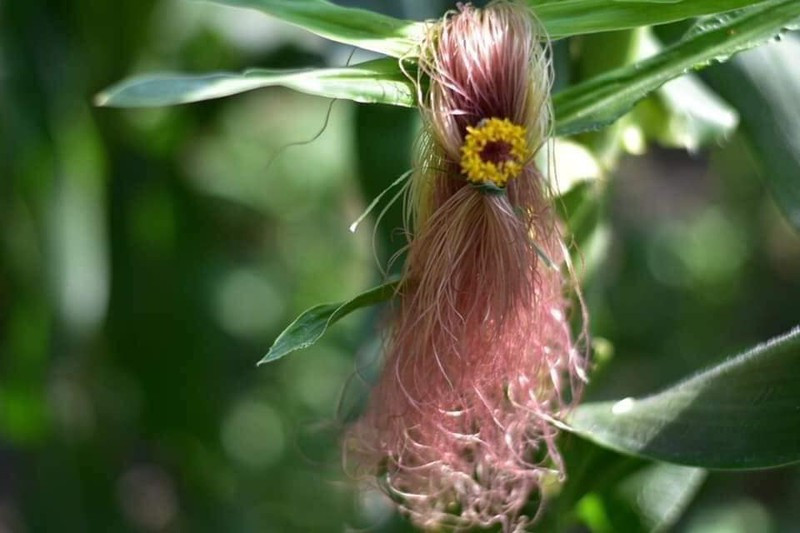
{"x":601,"y":100}
{"x":398,"y":38}
{"x":743,"y":413}
{"x":589,"y":468}
{"x":587,"y":106}
{"x":575,"y":17}
{"x":379,"y":81}
{"x":609,"y":492}
{"x":683,"y":113}
{"x":660,"y":493}
{"x":651,"y":499}
{"x":763,"y":85}
{"x":359,"y":27}
{"x":310,"y":326}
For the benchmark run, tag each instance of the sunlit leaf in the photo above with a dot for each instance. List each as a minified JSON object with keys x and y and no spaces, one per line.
{"x":600,"y":101}
{"x":660,"y":493}
{"x":683,"y":113}
{"x":568,"y":164}
{"x":359,"y":27}
{"x":310,"y":326}
{"x":379,"y":81}
{"x":743,"y":413}
{"x":563,"y":18}
{"x":398,"y":38}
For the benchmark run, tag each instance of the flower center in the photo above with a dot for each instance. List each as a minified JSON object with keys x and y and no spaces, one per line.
{"x":494,"y":152}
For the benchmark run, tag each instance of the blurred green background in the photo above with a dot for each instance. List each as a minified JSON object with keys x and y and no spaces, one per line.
{"x":148,"y":258}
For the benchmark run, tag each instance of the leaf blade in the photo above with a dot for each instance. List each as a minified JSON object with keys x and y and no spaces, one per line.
{"x":741,"y":414}
{"x":358,"y":27}
{"x":763,"y":86}
{"x":312,"y":324}
{"x":378,"y":81}
{"x":600,"y":101}
{"x":399,"y":38}
{"x":576,"y":17}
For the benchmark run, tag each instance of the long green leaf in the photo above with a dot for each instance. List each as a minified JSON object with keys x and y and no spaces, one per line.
{"x":588,"y":106}
{"x":397,"y":38}
{"x":359,"y":27}
{"x":744,"y":413}
{"x":310,"y":326}
{"x":601,"y":100}
{"x":575,"y":17}
{"x":763,"y":85}
{"x":379,"y":81}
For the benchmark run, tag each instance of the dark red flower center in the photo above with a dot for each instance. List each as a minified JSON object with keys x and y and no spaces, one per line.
{"x":496,"y":152}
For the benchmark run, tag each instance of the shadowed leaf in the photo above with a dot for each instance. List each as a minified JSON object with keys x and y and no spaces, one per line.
{"x":763,"y":86}
{"x":743,"y":413}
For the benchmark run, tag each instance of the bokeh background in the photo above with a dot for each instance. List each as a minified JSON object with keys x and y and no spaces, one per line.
{"x":148,"y":258}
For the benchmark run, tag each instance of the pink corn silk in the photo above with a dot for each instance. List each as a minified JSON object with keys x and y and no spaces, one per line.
{"x":479,"y":357}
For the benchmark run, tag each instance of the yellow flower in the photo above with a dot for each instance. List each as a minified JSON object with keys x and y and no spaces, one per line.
{"x":494,"y":151}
